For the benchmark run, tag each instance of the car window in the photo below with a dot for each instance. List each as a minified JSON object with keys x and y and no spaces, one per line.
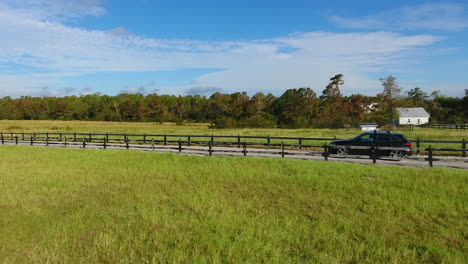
{"x":358,"y":137}
{"x":366,"y":138}
{"x":382,"y":137}
{"x":396,"y":138}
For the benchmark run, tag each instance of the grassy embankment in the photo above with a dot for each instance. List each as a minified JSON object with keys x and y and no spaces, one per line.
{"x":90,"y":206}
{"x":202,"y":129}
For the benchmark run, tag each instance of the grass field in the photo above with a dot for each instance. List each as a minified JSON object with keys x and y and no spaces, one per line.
{"x":91,"y":206}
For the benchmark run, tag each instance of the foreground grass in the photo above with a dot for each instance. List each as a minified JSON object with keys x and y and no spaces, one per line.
{"x":90,"y":206}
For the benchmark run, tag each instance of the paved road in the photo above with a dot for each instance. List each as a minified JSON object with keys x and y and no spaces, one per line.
{"x":415,"y":161}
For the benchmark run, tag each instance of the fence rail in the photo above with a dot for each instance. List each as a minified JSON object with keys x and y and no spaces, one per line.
{"x":448,"y":126}
{"x":210,"y":144}
{"x":167,"y":137}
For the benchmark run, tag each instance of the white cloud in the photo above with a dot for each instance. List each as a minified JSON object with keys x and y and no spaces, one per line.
{"x":432,"y":16}
{"x":144,"y":89}
{"x":56,"y":10}
{"x":202,"y":90}
{"x":51,"y":51}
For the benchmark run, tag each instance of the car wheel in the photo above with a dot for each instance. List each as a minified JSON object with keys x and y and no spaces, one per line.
{"x":396,"y":154}
{"x":342,"y":151}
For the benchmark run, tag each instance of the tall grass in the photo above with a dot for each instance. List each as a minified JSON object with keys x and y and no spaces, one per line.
{"x":92,"y":206}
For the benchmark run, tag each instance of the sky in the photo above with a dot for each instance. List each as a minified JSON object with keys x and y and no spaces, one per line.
{"x":60,"y":47}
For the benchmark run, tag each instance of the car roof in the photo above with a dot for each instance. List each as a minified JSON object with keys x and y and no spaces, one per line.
{"x":383,"y":132}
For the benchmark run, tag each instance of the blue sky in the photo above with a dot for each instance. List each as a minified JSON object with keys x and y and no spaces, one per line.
{"x":59,"y":47}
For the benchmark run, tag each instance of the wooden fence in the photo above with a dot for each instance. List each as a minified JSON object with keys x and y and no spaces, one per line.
{"x":239,"y":145}
{"x":447,"y":126}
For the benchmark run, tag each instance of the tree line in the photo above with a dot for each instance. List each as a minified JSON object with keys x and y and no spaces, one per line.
{"x":295,"y":108}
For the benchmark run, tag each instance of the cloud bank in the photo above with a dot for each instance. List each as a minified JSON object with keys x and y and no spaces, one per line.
{"x":40,"y":50}
{"x":432,"y":16}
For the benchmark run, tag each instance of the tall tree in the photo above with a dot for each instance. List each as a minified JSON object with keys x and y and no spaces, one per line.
{"x":391,"y":91}
{"x":296,"y":108}
{"x":331,"y":107}
{"x":417,"y":96}
{"x":332,"y":91}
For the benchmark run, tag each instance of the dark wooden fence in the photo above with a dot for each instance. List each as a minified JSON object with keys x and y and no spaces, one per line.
{"x":447,"y":126}
{"x":240,"y":145}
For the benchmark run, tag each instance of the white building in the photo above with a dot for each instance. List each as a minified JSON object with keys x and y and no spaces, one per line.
{"x":368,"y":126}
{"x":369,"y":108}
{"x":413,"y":116}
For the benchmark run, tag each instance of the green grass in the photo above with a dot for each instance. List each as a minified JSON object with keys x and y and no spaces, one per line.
{"x":95,"y":206}
{"x":202,"y":129}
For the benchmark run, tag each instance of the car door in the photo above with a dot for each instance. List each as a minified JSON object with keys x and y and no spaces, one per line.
{"x":364,"y":141}
{"x":383,"y":140}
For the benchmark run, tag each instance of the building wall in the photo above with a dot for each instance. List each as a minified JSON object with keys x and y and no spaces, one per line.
{"x":413,"y":120}
{"x":368,"y":128}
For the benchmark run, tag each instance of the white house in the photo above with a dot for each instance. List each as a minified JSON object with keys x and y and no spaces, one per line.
{"x":368,"y":126}
{"x":369,"y":108}
{"x":413,"y":116}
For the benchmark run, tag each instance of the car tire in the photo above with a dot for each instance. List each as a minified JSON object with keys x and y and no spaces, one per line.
{"x":342,"y":151}
{"x":398,"y":154}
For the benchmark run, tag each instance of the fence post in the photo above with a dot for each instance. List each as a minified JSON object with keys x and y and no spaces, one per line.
{"x":180,"y":146}
{"x":418,"y":145}
{"x":212,"y":139}
{"x":84,"y":142}
{"x":325,"y":152}
{"x":165,"y":140}
{"x":74,"y":136}
{"x":245,"y":149}
{"x":22,"y":136}
{"x":144,"y":138}
{"x":430,"y":156}
{"x":268,"y":141}
{"x":126,"y":143}
{"x":90,"y":137}
{"x":16,"y":139}
{"x":374,"y":153}
{"x":210,"y":150}
{"x":282,"y":149}
{"x":152,"y":144}
{"x":65,"y":143}
{"x":464,"y":147}
{"x":238,"y":141}
{"x":47,"y":139}
{"x":32,"y":142}
{"x":300,"y":144}
{"x":107,"y":137}
{"x":189,"y":141}
{"x":105,"y":143}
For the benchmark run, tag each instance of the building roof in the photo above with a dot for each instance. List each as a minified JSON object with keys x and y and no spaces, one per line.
{"x":367,"y":124}
{"x":412,"y":112}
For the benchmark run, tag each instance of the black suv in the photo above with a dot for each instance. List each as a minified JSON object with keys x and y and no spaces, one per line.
{"x":378,"y":139}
